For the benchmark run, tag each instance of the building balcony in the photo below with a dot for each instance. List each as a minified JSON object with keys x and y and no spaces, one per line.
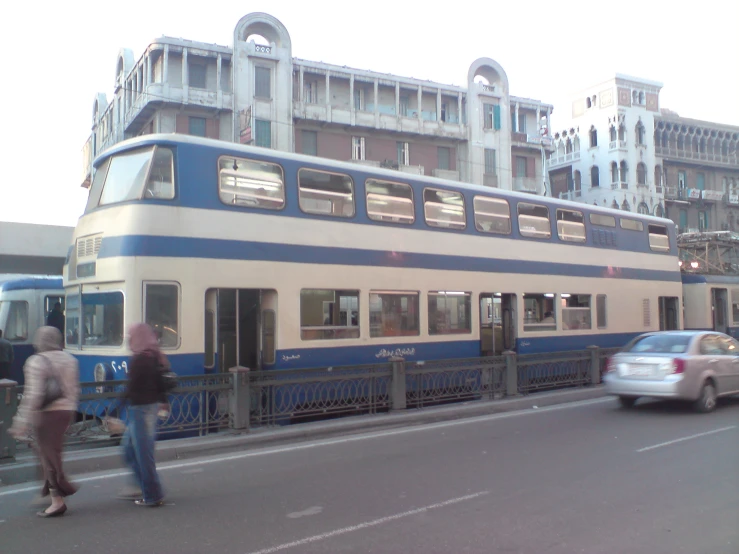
{"x":619,"y":185}
{"x":412,"y":169}
{"x":732,"y":199}
{"x":712,"y":195}
{"x":572,"y":195}
{"x":445,"y":174}
{"x":555,"y":161}
{"x":370,"y":163}
{"x":526,"y":184}
{"x":531,"y":141}
{"x":615,"y":145}
{"x":490,"y":180}
{"x":731,"y":159}
{"x":87,"y":163}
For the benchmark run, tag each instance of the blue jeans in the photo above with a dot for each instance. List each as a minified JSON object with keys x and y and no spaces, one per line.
{"x":138,"y":450}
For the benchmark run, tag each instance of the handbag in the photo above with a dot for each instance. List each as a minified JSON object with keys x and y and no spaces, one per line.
{"x":169,"y":379}
{"x":52,"y":389}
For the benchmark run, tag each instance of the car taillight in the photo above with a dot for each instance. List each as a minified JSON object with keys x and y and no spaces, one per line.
{"x":678,"y":365}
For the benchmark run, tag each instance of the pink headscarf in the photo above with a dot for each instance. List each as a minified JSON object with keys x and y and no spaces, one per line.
{"x":143,"y":339}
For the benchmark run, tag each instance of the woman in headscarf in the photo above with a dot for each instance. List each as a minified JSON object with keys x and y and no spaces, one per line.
{"x":49,"y":422}
{"x":144,"y":394}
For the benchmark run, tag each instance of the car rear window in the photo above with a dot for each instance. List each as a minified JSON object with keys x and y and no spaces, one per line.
{"x":661,"y":344}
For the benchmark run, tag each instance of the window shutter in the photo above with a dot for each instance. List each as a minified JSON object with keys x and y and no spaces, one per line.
{"x":514,"y":167}
{"x":182,"y":124}
{"x":496,"y":117}
{"x":530,"y":167}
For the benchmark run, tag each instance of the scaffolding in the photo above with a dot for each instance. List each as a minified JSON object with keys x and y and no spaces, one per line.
{"x":709,"y":252}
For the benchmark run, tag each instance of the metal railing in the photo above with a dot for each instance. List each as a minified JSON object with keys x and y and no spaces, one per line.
{"x":241,"y":399}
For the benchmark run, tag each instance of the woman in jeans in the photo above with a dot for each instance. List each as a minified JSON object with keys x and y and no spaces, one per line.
{"x":49,"y":422}
{"x":144,"y":394}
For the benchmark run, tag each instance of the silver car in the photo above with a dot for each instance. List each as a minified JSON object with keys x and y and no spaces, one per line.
{"x":696,"y":366}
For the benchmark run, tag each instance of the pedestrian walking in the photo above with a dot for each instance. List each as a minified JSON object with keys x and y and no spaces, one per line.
{"x":50,"y":398}
{"x":145,"y":393}
{"x":6,"y":357}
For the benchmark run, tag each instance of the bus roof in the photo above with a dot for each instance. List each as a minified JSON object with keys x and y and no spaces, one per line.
{"x":32,"y":283}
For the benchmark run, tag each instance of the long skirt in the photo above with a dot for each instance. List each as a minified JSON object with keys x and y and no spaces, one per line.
{"x":50,"y":428}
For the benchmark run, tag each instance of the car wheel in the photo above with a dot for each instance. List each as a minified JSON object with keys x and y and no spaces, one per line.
{"x":627,"y":401}
{"x":707,"y":400}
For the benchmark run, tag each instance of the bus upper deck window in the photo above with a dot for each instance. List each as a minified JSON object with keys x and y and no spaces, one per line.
{"x":160,"y":183}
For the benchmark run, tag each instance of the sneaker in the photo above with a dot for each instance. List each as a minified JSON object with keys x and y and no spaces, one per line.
{"x":154,"y":504}
{"x":130,"y":493}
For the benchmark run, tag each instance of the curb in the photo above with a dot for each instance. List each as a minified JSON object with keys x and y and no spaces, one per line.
{"x":79,"y":462}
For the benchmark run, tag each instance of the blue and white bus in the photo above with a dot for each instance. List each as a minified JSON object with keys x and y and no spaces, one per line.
{"x":25,"y":305}
{"x":241,"y":255}
{"x":711,"y":303}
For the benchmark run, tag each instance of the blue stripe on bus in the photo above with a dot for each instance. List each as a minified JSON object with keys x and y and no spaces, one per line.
{"x":190,"y":247}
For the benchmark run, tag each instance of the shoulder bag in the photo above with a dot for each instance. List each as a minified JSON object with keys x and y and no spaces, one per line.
{"x":51,"y":387}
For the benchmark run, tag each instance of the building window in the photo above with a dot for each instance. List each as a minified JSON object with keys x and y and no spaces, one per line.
{"x":614,"y":172}
{"x":196,"y":75}
{"x":444,"y":111}
{"x":404,"y":156}
{"x":593,"y":137}
{"x":309,"y":142}
{"x":196,"y":126}
{"x":310,"y":92}
{"x":490,"y":161}
{"x":578,"y":180}
{"x":404,"y":105}
{"x":594,"y":176}
{"x":683,"y":220}
{"x":449,"y":313}
{"x":251,"y":183}
{"x":623,"y":171}
{"x":700,"y":181}
{"x":641,"y":173}
{"x":703,"y":220}
{"x":640,"y":134}
{"x":491,"y":113}
{"x":262,"y":88}
{"x":642,"y":208}
{"x":391,"y":202}
{"x":263,"y":130}
{"x":394,"y":314}
{"x":329,"y":314}
{"x":358,"y":99}
{"x":324,"y":193}
{"x":521,"y":167}
{"x":681,"y":180}
{"x":612,"y":132}
{"x":621,"y":132}
{"x":444,"y":157}
{"x":521,"y":123}
{"x":357,"y":148}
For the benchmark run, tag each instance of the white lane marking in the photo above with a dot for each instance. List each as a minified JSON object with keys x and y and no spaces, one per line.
{"x":330,"y":442}
{"x":191,"y":471}
{"x":312,"y":511}
{"x":687,"y":438}
{"x":373,"y":523}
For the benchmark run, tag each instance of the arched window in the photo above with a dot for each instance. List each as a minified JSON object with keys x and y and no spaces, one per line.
{"x":665,"y":139}
{"x":641,"y":174}
{"x":643,"y":208}
{"x":614,"y":172}
{"x":614,"y":204}
{"x":703,"y":145}
{"x":640,"y":131}
{"x":578,"y":180}
{"x":680,"y":142}
{"x":641,"y":98}
{"x":568,"y":146}
{"x":576,"y":144}
{"x":593,"y":137}
{"x":588,"y":103}
{"x":659,"y":211}
{"x":621,"y":132}
{"x":613,"y":133}
{"x":634,"y":97}
{"x":625,"y":206}
{"x":623,"y":170}
{"x":594,"y":176}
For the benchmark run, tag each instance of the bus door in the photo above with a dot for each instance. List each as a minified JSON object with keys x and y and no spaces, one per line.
{"x":240,"y":328}
{"x":668,"y":313}
{"x":719,"y":300}
{"x":497,"y":323}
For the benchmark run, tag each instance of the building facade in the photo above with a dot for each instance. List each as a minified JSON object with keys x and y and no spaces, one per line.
{"x":256,"y":93}
{"x":622,"y":150}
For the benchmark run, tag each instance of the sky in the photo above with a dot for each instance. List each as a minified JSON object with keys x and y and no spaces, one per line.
{"x":59,"y":55}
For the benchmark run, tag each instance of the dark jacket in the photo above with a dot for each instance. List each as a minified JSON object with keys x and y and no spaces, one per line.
{"x":145,"y":382}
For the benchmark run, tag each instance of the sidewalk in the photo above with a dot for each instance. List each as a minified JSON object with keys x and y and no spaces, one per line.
{"x":79,"y":462}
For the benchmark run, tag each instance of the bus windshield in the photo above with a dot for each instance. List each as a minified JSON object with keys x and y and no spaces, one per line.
{"x":142,"y":173}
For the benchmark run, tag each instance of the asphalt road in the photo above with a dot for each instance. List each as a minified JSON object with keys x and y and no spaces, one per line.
{"x":580,"y":478}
